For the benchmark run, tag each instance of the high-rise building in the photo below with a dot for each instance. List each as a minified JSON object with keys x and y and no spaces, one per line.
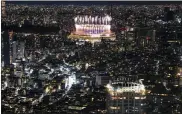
{"x":12,"y":44}
{"x":19,"y":72}
{"x":169,"y":14}
{"x":22,"y":49}
{"x":14,"y":52}
{"x":14,"y":47}
{"x":145,"y":37}
{"x":6,"y":48}
{"x":125,"y":98}
{"x":102,"y":80}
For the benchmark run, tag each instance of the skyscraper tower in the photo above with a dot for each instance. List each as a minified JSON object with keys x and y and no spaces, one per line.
{"x":14,"y":51}
{"x":6,"y":48}
{"x":11,"y":42}
{"x":9,"y":48}
{"x":21,"y":49}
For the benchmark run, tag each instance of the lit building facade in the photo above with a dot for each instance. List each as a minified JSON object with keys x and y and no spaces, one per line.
{"x":19,"y":73}
{"x":125,"y":98}
{"x":92,"y":28}
{"x":21,"y":49}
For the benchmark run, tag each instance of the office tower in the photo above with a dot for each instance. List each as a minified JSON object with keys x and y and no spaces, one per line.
{"x":141,"y":37}
{"x":130,"y":38}
{"x":166,"y":9}
{"x":6,"y":48}
{"x":22,"y":49}
{"x":14,"y":52}
{"x":98,"y":80}
{"x":168,"y":14}
{"x":21,"y":52}
{"x":12,"y":43}
{"x":145,"y":37}
{"x":125,"y":98}
{"x":153,"y":35}
{"x":19,"y":72}
{"x":102,"y":80}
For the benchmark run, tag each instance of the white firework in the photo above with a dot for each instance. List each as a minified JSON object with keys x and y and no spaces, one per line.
{"x":108,"y":18}
{"x":96,"y":19}
{"x":92,"y":19}
{"x":82,"y":20}
{"x":99,"y":20}
{"x":103,"y":20}
{"x":79,"y":19}
{"x":106,"y":21}
{"x":76,"y":19}
{"x":86,"y":18}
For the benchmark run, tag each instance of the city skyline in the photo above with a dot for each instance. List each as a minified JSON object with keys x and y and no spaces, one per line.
{"x":91,"y":58}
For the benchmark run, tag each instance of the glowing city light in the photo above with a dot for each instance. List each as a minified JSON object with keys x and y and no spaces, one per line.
{"x":92,"y":26}
{"x":135,"y":87}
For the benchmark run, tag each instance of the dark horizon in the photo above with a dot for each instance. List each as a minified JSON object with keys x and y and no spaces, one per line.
{"x":94,"y":2}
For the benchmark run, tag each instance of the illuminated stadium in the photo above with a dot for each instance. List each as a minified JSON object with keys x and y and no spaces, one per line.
{"x":92,"y":28}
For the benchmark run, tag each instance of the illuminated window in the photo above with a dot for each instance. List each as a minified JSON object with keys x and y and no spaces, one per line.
{"x":137,"y":97}
{"x":115,"y":108}
{"x":170,"y":68}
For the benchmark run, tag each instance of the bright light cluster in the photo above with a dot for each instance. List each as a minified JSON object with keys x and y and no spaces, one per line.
{"x":70,"y":81}
{"x":93,"y":26}
{"x":134,"y":87}
{"x":96,"y":20}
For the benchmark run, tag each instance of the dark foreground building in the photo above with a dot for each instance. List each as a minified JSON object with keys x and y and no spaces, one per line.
{"x":6,"y":48}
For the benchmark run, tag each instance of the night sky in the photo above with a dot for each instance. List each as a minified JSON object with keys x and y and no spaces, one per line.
{"x":93,"y":2}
